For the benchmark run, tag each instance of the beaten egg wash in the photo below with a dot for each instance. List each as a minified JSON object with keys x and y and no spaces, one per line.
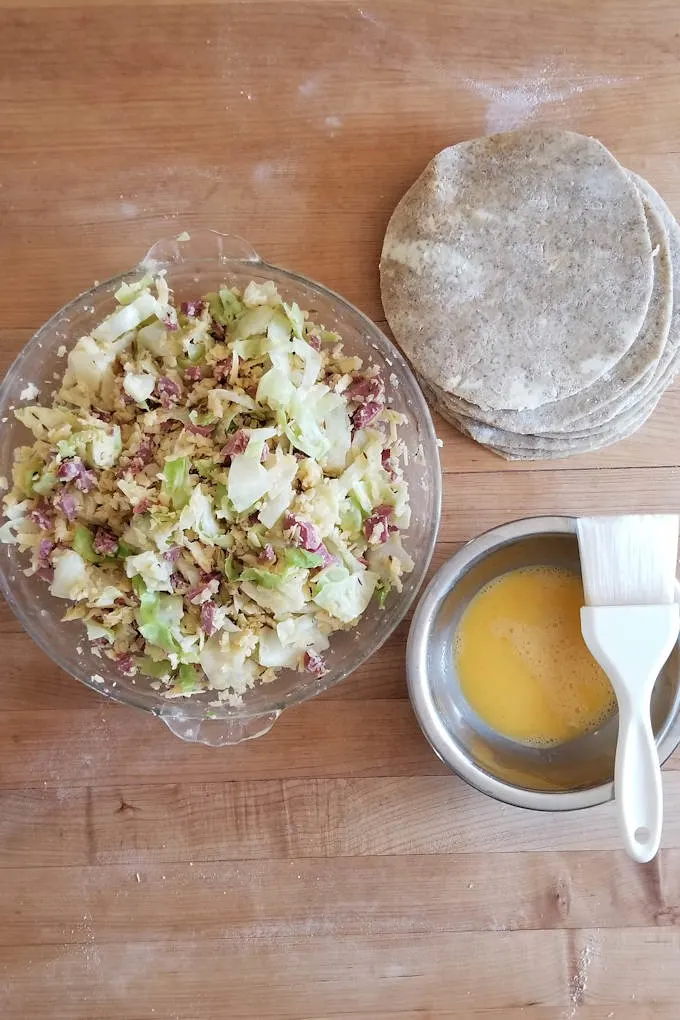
{"x":522,"y":662}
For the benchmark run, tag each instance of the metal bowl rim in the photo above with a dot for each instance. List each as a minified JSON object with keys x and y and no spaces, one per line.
{"x":420,"y":692}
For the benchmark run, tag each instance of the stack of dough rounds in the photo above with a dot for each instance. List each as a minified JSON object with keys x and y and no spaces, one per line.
{"x":534,"y":284}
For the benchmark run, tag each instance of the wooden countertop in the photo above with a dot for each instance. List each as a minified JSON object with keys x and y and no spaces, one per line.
{"x":333,"y":869}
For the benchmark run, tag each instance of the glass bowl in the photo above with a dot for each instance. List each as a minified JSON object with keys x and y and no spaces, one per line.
{"x":194,"y":266}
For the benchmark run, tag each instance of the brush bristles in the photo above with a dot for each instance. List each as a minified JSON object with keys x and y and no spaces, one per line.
{"x":629,"y":560}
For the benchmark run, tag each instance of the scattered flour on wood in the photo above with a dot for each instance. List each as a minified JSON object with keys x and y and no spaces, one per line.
{"x":510,"y":105}
{"x":332,"y":125}
{"x":273,"y":174}
{"x":308,"y":87}
{"x":262,"y":172}
{"x":579,"y":979}
{"x":276,"y":181}
{"x":510,"y":102}
{"x":367,"y":16}
{"x":129,"y":210}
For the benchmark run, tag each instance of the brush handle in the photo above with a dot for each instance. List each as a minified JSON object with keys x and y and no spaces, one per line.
{"x":632,"y":643}
{"x":637,"y":777}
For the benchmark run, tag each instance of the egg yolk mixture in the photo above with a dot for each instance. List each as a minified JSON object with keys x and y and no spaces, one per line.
{"x":522,"y":662}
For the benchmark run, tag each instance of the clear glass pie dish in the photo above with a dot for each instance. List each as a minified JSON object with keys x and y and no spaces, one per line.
{"x":193,"y":267}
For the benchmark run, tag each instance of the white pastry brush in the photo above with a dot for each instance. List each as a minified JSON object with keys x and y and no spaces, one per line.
{"x":630,"y":623}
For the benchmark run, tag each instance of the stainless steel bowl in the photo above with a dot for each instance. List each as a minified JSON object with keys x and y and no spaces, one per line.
{"x":575,"y":774}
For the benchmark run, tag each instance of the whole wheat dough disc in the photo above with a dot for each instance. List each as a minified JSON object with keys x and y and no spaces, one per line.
{"x":489,"y":435}
{"x":669,"y":363}
{"x":584,"y":447}
{"x":667,"y":366}
{"x":620,"y":387}
{"x":541,"y":447}
{"x":579,"y":446}
{"x":517,"y":269}
{"x":527,"y":447}
{"x":518,"y":447}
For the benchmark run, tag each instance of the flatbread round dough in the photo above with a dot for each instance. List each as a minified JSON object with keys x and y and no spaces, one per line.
{"x":540,"y":447}
{"x":527,"y":447}
{"x":517,"y":269}
{"x":620,"y":387}
{"x":666,"y":367}
{"x":583,"y":447}
{"x":518,"y":447}
{"x":579,"y":446}
{"x":669,"y":362}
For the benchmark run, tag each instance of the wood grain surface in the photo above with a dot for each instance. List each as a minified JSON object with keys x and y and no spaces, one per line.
{"x":332,"y":870}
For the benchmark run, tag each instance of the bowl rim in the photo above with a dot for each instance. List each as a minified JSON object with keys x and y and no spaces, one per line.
{"x":188,"y":710}
{"x":420,"y":691}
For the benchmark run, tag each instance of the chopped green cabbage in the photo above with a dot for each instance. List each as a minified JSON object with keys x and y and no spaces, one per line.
{"x":43,"y":420}
{"x":204,"y":466}
{"x":127,"y":317}
{"x":127,"y":292}
{"x":153,"y":568}
{"x":45,"y":483}
{"x":154,"y":338}
{"x":273,"y":654}
{"x":139,"y":385}
{"x":279,"y":490}
{"x":302,"y":558}
{"x":231,"y":303}
{"x":288,"y":598}
{"x":199,"y":516}
{"x":345,"y":596}
{"x":296,"y":318}
{"x":102,"y":446}
{"x":71,"y":579}
{"x":231,"y":571}
{"x":261,"y":294}
{"x":187,"y":679}
{"x":265,"y":578}
{"x":17,"y":523}
{"x":25,"y":473}
{"x":176,"y":482}
{"x":226,"y":664}
{"x":159,"y":618}
{"x":248,"y":479}
{"x":95,"y":631}
{"x":275,"y":389}
{"x":195,"y":526}
{"x":253,"y":322}
{"x":160,"y":670}
{"x":83,"y":543}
